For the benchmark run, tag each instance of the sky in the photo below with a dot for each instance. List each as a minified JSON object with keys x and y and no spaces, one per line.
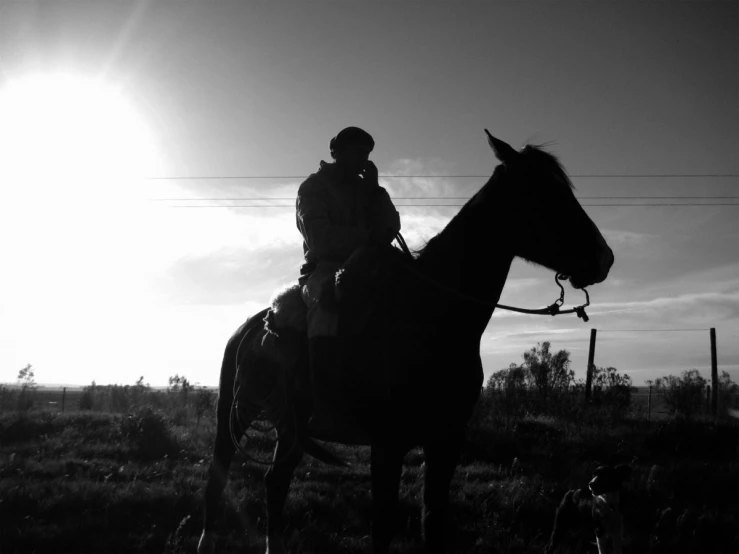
{"x":117,"y":117}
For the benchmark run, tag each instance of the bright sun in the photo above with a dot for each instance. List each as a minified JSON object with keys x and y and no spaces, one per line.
{"x":63,"y":131}
{"x":71,"y":150}
{"x":73,"y":212}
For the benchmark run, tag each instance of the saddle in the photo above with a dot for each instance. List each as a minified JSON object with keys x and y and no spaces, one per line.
{"x":360,"y":295}
{"x":359,"y":291}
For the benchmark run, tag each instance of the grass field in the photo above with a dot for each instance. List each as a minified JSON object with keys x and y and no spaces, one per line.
{"x":100,"y":482}
{"x":53,"y":398}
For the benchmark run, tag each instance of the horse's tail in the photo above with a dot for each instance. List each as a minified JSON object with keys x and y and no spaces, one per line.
{"x":279,"y":407}
{"x":229,"y":369}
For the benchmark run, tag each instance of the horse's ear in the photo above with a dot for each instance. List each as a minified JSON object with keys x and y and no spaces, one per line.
{"x":502,"y":150}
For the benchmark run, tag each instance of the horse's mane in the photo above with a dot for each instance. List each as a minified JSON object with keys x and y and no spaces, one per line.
{"x":541,"y":160}
{"x":536,"y":158}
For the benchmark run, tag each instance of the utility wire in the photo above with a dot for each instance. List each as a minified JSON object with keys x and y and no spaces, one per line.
{"x":267,"y":198}
{"x":451,"y":205}
{"x":578,"y":176}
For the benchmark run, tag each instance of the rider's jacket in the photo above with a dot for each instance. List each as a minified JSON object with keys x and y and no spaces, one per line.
{"x":338,"y":214}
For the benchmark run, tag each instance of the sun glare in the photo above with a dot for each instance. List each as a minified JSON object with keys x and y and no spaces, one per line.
{"x":65,"y":130}
{"x":73,"y":208}
{"x":72,"y":149}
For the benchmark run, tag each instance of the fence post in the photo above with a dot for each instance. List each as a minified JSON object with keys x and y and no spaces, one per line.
{"x":649,"y":404}
{"x":589,"y":374}
{"x":64,"y":397}
{"x":714,"y":373}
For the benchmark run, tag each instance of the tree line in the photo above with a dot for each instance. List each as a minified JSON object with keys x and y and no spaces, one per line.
{"x":544,"y":384}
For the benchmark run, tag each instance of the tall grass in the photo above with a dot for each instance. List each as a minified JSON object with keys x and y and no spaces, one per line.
{"x":95,"y":481}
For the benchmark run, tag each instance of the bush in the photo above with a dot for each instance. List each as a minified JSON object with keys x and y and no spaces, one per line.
{"x":86,"y":401}
{"x":7,"y":397}
{"x":25,"y":398}
{"x":116,"y":398}
{"x":727,"y":393}
{"x":204,"y":403}
{"x":120,"y":398}
{"x":611,"y":392}
{"x":179,"y":416}
{"x":683,"y":395}
{"x":28,"y":388}
{"x":149,"y":432}
{"x":544,"y":385}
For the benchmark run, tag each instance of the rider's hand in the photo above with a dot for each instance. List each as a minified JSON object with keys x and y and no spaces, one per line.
{"x":369,"y":173}
{"x":382,"y":237}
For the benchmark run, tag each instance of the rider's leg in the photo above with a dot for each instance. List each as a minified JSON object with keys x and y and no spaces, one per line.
{"x":330,"y":408}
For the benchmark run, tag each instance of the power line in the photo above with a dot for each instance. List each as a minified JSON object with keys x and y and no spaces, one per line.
{"x":578,"y":176}
{"x":453,"y":205}
{"x":274,"y":198}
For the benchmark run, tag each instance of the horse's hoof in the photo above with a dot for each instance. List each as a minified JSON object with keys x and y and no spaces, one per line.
{"x":207,"y":543}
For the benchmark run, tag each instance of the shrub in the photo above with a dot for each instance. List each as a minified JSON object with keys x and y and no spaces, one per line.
{"x":119,"y":398}
{"x":149,"y":432}
{"x":87,"y":400}
{"x":178,"y":391}
{"x":611,"y":392}
{"x":28,"y":388}
{"x":7,"y":397}
{"x":25,"y":399}
{"x":179,"y":415}
{"x":727,"y":393}
{"x":544,"y":385}
{"x":204,"y":403}
{"x":547,"y":373}
{"x":684,"y":394}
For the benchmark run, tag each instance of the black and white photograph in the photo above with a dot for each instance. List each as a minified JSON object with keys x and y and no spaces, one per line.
{"x":369,"y":276}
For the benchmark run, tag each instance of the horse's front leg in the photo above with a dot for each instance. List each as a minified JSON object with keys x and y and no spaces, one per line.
{"x":441,"y":462}
{"x":386,"y":466}
{"x":287,"y":456}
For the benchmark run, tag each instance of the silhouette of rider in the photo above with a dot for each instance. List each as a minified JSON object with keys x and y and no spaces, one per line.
{"x":339,"y":209}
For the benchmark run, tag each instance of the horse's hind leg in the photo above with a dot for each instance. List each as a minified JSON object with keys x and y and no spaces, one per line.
{"x":288,"y":454}
{"x":223,"y":453}
{"x":441,"y":461}
{"x":223,"y":449}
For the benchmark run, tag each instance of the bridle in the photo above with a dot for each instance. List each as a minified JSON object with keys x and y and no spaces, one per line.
{"x":553,"y":309}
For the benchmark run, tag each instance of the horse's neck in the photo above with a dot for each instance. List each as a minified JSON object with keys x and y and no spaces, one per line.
{"x":471,"y":256}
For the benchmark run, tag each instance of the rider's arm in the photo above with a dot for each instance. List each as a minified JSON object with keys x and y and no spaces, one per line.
{"x":324,"y":238}
{"x":385,"y":218}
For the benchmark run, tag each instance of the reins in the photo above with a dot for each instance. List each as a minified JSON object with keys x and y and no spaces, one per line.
{"x":553,"y":309}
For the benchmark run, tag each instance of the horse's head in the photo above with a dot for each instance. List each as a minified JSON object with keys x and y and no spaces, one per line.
{"x":547,"y":224}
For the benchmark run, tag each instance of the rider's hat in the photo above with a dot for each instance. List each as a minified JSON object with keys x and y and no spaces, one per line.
{"x":351,"y":135}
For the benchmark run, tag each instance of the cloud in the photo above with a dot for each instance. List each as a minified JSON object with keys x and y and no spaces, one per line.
{"x":419,"y":226}
{"x":698,"y":308}
{"x":240,"y":189}
{"x":426,"y":181}
{"x":518,"y":285}
{"x":230,"y":275}
{"x":637,"y":245}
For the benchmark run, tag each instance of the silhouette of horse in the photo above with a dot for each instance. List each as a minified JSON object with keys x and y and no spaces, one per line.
{"x":411,"y":333}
